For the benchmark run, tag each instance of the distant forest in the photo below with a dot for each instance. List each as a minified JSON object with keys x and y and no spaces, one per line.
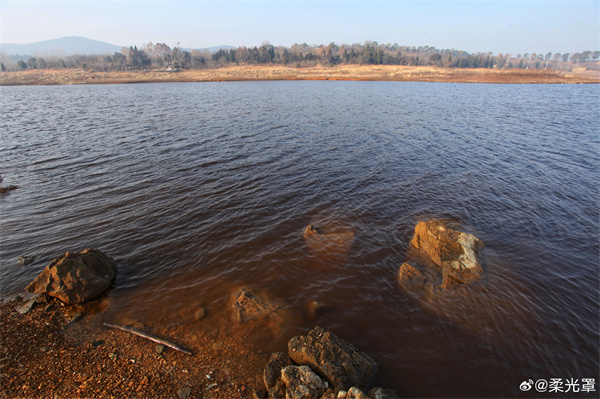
{"x":160,"y":55}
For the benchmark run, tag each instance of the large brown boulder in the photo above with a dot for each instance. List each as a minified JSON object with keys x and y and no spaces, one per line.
{"x":455,"y":253}
{"x":335,"y":360}
{"x":76,"y":276}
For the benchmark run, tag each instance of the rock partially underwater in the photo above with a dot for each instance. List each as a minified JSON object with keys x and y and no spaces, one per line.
{"x":447,"y":258}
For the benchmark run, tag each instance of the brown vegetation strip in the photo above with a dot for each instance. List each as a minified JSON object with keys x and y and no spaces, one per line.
{"x":343,"y":72}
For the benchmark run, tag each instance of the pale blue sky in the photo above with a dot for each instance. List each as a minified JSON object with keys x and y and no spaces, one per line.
{"x":496,"y":26}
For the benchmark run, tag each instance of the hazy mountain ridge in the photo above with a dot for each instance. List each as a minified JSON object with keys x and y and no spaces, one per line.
{"x":64,"y":46}
{"x":71,"y":45}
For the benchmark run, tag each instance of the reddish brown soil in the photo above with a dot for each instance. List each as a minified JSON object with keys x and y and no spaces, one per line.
{"x":42,"y":355}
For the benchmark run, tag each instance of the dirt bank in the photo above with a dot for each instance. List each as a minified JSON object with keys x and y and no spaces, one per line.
{"x":344,"y":72}
{"x":42,"y":355}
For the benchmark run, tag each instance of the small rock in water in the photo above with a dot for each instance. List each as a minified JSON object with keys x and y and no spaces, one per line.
{"x":4,"y":190}
{"x":160,"y":348}
{"x":322,"y":241}
{"x":26,"y":259}
{"x":200,"y":313}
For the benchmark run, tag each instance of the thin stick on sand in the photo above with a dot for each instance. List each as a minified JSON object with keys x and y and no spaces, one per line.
{"x":150,"y":337}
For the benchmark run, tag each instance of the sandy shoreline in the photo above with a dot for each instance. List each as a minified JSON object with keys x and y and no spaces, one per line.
{"x":262,"y":73}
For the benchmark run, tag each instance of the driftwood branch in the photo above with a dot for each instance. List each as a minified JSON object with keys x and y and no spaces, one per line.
{"x":150,"y":337}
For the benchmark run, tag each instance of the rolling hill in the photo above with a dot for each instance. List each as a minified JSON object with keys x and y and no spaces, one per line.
{"x":63,"y":46}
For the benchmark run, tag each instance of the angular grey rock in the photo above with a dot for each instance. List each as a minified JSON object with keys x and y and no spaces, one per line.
{"x":76,"y":276}
{"x":26,"y":307}
{"x":272,"y":374}
{"x":302,"y":383}
{"x":334,"y":359}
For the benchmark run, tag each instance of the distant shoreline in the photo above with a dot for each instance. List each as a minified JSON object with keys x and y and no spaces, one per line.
{"x":264,"y":73}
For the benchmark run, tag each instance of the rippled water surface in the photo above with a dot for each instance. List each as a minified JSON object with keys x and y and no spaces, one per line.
{"x":199,"y":188}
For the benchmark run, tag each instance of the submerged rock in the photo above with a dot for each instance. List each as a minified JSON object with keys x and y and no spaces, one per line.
{"x":76,"y":276}
{"x":411,"y":277}
{"x":251,"y":304}
{"x":248,"y":304}
{"x":320,"y":240}
{"x":337,"y":361}
{"x":453,"y":254}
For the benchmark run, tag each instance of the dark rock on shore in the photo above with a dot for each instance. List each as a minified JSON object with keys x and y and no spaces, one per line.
{"x":340,"y":363}
{"x":448,"y":258}
{"x":321,"y":365}
{"x":76,"y":276}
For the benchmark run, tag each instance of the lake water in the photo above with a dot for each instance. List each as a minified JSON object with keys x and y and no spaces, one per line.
{"x":198,"y":188}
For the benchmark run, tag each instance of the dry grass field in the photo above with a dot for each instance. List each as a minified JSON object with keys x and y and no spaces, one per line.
{"x":344,"y":72}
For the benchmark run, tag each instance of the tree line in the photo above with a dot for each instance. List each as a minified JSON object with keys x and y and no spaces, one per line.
{"x":160,"y":55}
